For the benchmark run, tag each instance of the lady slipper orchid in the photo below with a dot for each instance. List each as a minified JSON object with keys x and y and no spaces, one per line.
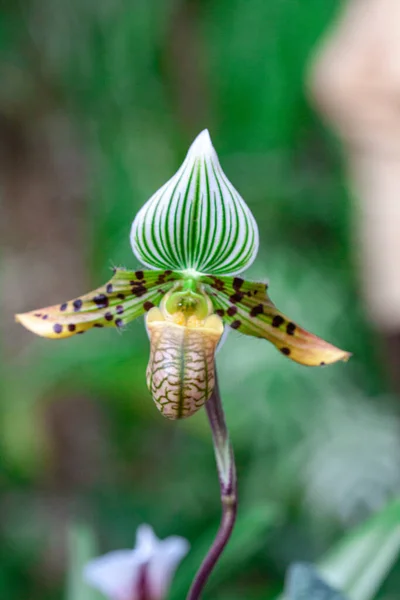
{"x":144,"y":573}
{"x":195,"y":235}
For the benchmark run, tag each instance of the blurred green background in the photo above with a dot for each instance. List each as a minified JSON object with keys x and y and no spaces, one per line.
{"x":99,"y":101}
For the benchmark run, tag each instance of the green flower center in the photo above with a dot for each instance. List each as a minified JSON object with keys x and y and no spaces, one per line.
{"x":187,"y":300}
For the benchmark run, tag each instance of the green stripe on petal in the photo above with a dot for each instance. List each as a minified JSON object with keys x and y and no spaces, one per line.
{"x":125,"y":297}
{"x":197,"y":220}
{"x":246,"y":307}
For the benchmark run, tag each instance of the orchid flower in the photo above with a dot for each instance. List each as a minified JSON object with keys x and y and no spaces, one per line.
{"x":144,"y":573}
{"x":195,"y":236}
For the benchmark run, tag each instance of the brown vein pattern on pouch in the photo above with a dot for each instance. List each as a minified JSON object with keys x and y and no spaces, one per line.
{"x":180,"y":373}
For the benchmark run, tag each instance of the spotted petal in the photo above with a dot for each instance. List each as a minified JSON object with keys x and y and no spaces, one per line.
{"x":197,"y":220}
{"x":246,"y":306}
{"x":125,"y":297}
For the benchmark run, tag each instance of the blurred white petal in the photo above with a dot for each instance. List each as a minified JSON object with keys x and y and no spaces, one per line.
{"x":117,"y":574}
{"x":146,"y":541}
{"x":164,"y":563}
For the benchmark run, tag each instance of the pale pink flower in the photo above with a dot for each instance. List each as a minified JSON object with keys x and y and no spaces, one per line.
{"x":144,"y":573}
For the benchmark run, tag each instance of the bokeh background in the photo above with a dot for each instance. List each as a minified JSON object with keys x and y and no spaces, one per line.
{"x":99,"y":101}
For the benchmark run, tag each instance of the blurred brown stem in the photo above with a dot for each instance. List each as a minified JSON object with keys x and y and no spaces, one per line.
{"x":228,"y":486}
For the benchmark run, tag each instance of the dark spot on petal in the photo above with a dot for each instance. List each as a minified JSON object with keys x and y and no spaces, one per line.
{"x":98,"y":325}
{"x":238,"y":297}
{"x":79,"y":332}
{"x":45,"y":317}
{"x":118,"y":322}
{"x":232,"y":310}
{"x":322,"y":363}
{"x":57,"y":328}
{"x":121,"y":296}
{"x":64,"y":306}
{"x":285,"y":351}
{"x":77,"y":304}
{"x":220,"y":312}
{"x":236,"y":324}
{"x":139,"y":291}
{"x":38,"y":314}
{"x":237,"y":283}
{"x":109,"y":288}
{"x":256,"y":310}
{"x":218,"y":284}
{"x":108,"y":316}
{"x":139,"y":274}
{"x":71,"y":327}
{"x":119,"y":309}
{"x":277,"y":321}
{"x":148,"y":305}
{"x":290,"y":328}
{"x":101,"y":300}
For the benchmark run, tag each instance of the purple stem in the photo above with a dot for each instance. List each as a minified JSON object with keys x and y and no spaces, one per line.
{"x":227,"y":480}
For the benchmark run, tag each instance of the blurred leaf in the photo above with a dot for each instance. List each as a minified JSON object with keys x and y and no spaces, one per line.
{"x":81,"y":548}
{"x":364,"y":558}
{"x":303,"y":583}
{"x":359,"y":564}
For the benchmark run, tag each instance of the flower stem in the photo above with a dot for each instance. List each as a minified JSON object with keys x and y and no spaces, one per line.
{"x":227,"y":480}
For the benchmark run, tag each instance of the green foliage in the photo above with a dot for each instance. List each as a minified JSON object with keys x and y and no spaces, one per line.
{"x":358,"y":564}
{"x":317,"y":450}
{"x":303,"y":583}
{"x":81,"y":548}
{"x":251,"y":531}
{"x":364,"y":558}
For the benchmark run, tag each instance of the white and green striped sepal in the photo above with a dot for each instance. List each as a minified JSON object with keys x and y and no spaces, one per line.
{"x":197,"y":221}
